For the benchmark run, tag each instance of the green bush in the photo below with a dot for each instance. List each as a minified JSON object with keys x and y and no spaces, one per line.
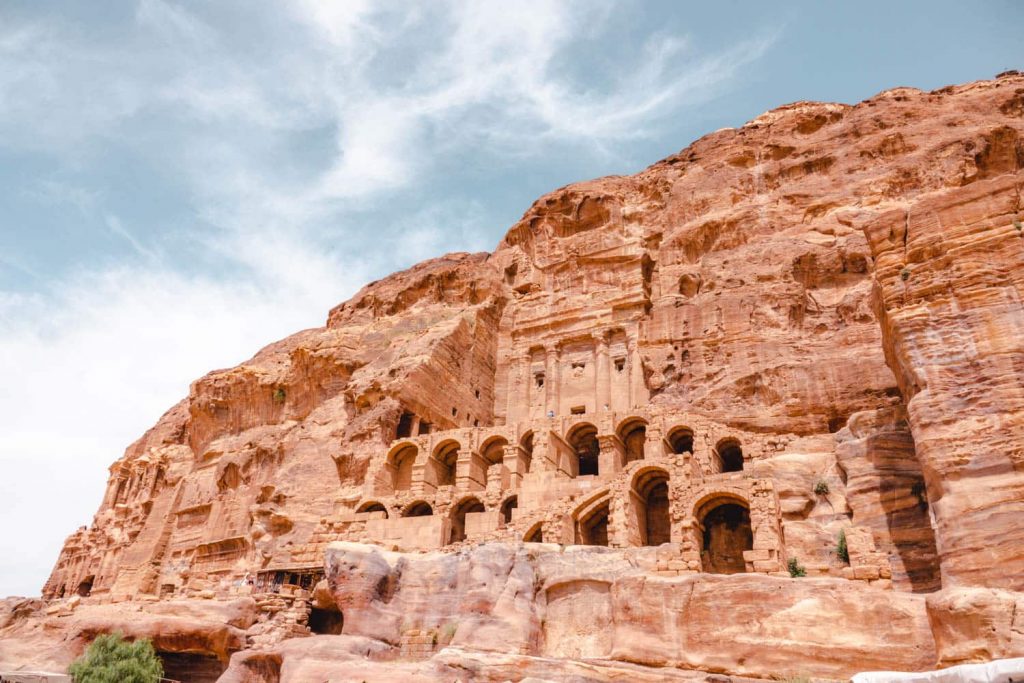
{"x":112,"y":659}
{"x":841,"y":550}
{"x":905,"y":273}
{"x":821,"y":488}
{"x":279,"y":395}
{"x":795,"y":570}
{"x":1017,"y":225}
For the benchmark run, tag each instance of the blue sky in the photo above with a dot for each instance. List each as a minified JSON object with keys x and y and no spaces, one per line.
{"x":182,"y":183}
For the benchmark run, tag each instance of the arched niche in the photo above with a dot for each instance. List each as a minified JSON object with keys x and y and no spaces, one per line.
{"x":526,"y":443}
{"x":583,"y":440}
{"x":446,"y":455}
{"x":725,"y":533}
{"x":420,"y":508}
{"x":591,"y":523}
{"x":633,"y":433}
{"x":458,"y":517}
{"x":510,"y":504}
{"x":401,"y":459}
{"x":650,"y":490}
{"x":729,"y":455}
{"x":680,"y":439}
{"x":373,"y":506}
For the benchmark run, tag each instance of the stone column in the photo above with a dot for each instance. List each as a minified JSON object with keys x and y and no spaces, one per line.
{"x":518,"y":405}
{"x":470,"y":471}
{"x":612,"y":455}
{"x":655,"y":445}
{"x":604,"y":378}
{"x":515,"y":463}
{"x":525,"y":391}
{"x":636,"y":377}
{"x":551,"y":381}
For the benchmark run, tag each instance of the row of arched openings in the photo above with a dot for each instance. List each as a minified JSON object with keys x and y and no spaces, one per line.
{"x":444,"y":459}
{"x":724,"y":526}
{"x":422,"y":508}
{"x":582,"y":438}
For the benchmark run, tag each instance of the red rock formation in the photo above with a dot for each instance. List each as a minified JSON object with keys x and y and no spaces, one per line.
{"x":802,"y":329}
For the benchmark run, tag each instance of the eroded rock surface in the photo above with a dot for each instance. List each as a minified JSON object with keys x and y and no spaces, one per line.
{"x":794,"y":344}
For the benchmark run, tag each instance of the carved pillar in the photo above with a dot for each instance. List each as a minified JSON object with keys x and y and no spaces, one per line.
{"x":623,"y":520}
{"x":636,"y":375}
{"x":515,"y":462}
{"x":525,"y":389}
{"x":114,"y":487}
{"x":518,"y":389}
{"x":612,"y":455}
{"x":604,"y":377}
{"x":551,"y":381}
{"x":424,"y":476}
{"x":545,"y":453}
{"x":655,"y":445}
{"x":470,"y":471}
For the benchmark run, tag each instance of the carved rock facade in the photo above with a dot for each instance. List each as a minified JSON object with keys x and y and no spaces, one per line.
{"x":793,"y":345}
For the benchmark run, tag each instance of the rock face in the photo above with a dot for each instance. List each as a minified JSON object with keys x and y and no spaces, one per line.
{"x":793,"y":346}
{"x":949,"y":276}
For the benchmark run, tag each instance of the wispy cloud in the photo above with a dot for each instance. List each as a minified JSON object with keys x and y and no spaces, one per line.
{"x":116,"y":227}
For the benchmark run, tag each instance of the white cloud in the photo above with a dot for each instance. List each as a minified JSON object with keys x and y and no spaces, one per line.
{"x":92,"y":358}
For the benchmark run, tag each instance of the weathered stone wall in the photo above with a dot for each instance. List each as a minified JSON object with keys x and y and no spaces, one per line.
{"x":949,"y":276}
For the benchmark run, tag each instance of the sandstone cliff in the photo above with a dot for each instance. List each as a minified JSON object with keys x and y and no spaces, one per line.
{"x":804,"y":329}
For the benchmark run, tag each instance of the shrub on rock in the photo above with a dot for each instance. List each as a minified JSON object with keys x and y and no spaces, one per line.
{"x":112,"y":659}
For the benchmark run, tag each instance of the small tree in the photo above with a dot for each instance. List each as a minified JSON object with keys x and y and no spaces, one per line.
{"x":112,"y":659}
{"x":795,"y":570}
{"x":821,"y":488}
{"x":841,"y":550}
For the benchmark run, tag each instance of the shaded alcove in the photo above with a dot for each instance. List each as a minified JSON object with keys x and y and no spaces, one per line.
{"x":726,"y":533}
{"x":418,"y":509}
{"x":526,"y":443}
{"x":592,"y":526}
{"x":373,"y":506}
{"x":445,"y":457}
{"x":85,"y":586}
{"x":535,"y":534}
{"x":404,"y":428}
{"x":326,"y":621}
{"x":730,"y":456}
{"x":653,"y":519}
{"x":634,"y":436}
{"x":402,"y":461}
{"x":493,"y":453}
{"x":191,"y":667}
{"x":583,"y":440}
{"x":458,"y":532}
{"x":507,"y":507}
{"x":681,"y":440}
